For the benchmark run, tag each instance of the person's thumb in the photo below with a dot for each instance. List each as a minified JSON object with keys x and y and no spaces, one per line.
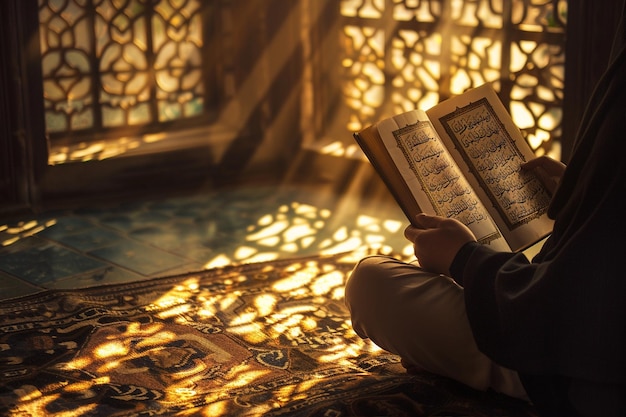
{"x":425,"y":221}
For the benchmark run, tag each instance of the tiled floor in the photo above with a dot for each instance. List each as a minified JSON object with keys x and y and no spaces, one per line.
{"x":133,"y":241}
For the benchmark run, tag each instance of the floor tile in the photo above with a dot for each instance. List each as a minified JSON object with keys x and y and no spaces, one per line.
{"x":104,"y":276}
{"x":140,"y":258}
{"x":64,"y":224}
{"x":11,"y":287}
{"x":40,"y":262}
{"x":84,"y":240}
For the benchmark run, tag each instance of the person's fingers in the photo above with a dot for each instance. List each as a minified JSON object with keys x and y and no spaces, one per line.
{"x":549,"y":181}
{"x":532,"y":164}
{"x":548,"y":165}
{"x":549,"y":171}
{"x":411,"y":233}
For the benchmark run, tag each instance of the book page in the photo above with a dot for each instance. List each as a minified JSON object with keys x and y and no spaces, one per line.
{"x":433,"y":177}
{"x":490,"y":149}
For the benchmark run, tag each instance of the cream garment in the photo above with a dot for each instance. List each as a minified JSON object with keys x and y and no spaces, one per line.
{"x":421,"y":317}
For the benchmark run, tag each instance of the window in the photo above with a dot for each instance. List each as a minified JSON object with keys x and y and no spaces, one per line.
{"x":122,"y":69}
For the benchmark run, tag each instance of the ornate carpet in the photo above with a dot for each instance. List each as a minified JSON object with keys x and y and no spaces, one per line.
{"x":266,"y":339}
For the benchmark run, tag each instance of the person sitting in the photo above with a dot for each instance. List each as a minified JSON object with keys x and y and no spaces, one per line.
{"x":551,"y":330}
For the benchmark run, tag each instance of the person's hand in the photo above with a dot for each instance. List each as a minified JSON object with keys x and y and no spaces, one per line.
{"x":548,"y":170}
{"x":436,"y":241}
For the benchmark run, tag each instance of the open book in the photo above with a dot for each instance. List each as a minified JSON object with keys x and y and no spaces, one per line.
{"x":462,"y":159}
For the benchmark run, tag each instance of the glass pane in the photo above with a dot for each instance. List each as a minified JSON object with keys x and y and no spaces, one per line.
{"x":120,"y":64}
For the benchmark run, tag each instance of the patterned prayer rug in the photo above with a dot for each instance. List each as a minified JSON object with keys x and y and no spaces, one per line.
{"x":266,"y":339}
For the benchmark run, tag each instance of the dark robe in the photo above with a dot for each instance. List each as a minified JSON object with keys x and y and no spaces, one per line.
{"x":560,"y":320}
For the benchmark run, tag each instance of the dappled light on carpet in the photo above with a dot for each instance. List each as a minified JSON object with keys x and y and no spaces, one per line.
{"x":263,"y":339}
{"x":184,"y":341}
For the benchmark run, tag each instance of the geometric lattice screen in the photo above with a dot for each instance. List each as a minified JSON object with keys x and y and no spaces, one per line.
{"x":406,"y":54}
{"x":110,"y":64}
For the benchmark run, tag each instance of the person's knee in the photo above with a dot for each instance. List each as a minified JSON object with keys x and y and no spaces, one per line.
{"x":366,"y":269}
{"x":363,"y":279}
{"x":362,"y":288}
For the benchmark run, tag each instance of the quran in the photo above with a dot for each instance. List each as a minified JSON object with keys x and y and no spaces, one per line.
{"x":462,"y":159}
